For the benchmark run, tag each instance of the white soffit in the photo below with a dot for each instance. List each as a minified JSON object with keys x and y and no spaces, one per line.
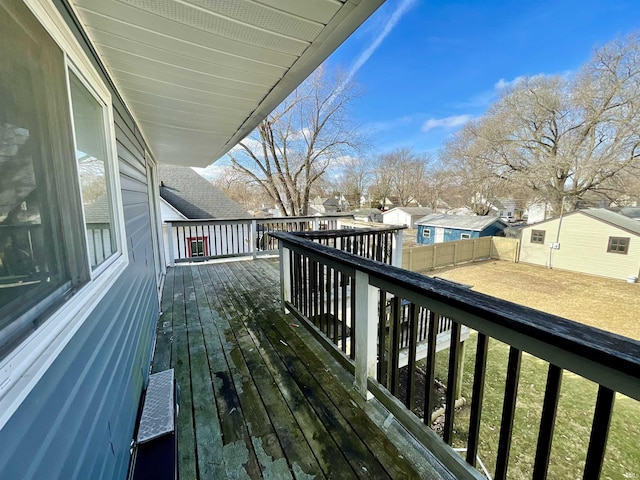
{"x":199,"y":75}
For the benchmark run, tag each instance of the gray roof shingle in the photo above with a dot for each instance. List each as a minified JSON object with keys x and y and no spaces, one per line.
{"x":614,"y":218}
{"x":475,"y":223}
{"x":412,"y":210}
{"x":194,"y":196}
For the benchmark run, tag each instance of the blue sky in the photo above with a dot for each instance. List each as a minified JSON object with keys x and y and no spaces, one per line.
{"x":427,"y":66}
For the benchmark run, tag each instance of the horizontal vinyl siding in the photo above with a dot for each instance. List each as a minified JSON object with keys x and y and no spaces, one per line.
{"x":583,"y":247}
{"x":538,"y":253}
{"x":78,"y":421}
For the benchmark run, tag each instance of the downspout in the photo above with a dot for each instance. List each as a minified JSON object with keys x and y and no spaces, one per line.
{"x":557,"y":234}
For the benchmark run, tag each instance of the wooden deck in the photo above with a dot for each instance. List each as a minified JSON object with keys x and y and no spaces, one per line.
{"x":260,"y":398}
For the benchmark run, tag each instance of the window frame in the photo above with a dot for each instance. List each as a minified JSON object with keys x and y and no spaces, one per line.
{"x":101,"y":94}
{"x":465,"y":236}
{"x":23,"y":367}
{"x":626,"y":240}
{"x":536,"y":233}
{"x":205,"y":245}
{"x":426,"y":231}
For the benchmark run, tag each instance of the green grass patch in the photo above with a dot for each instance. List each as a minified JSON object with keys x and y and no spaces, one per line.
{"x":573,"y":421}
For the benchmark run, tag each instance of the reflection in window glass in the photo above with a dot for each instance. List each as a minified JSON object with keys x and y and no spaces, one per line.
{"x":32,"y":259}
{"x":91,"y":154}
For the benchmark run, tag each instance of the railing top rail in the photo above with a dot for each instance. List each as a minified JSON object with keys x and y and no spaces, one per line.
{"x":347,"y":232}
{"x":208,"y":221}
{"x":247,"y":220}
{"x":588,"y":351}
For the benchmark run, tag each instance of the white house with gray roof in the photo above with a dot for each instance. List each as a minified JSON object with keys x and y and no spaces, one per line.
{"x":405,"y":215}
{"x":186,"y":195}
{"x":595,"y":241}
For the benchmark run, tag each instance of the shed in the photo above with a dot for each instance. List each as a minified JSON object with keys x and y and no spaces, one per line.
{"x":595,"y":241}
{"x":405,"y":215}
{"x":436,"y":228}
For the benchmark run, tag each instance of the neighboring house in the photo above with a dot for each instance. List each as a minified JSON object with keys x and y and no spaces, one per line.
{"x":461,"y":211}
{"x":118,"y":87}
{"x":407,"y":216}
{"x":193,"y":197}
{"x":437,"y":228}
{"x":594,"y":241}
{"x":324,"y":205}
{"x":372,"y":215}
{"x":506,"y":209}
{"x":537,"y":211}
{"x":441,"y":206}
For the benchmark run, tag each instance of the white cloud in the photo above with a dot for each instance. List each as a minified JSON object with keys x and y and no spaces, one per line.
{"x":446,"y":122}
{"x":390,"y":24}
{"x":252,"y":143}
{"x":502,"y":83}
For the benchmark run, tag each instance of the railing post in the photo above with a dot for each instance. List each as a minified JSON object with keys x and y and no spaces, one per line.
{"x":366,"y":306}
{"x":253,"y":239}
{"x":285,"y":276}
{"x":316,"y":224}
{"x":172,"y":255}
{"x":396,"y":255}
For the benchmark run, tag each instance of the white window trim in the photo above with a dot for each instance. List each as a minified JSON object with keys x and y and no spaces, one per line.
{"x":426,"y":233}
{"x":465,"y":236}
{"x":112,"y":171}
{"x":22,"y":369}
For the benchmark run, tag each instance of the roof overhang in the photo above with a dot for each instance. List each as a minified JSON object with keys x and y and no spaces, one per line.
{"x":199,"y":75}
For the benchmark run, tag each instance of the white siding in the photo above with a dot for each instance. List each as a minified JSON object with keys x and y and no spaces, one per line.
{"x":583,"y":247}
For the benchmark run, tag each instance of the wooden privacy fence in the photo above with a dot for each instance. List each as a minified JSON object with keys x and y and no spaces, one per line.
{"x":429,"y":257}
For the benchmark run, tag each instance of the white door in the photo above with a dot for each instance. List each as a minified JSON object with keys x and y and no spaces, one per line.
{"x":439,"y":235}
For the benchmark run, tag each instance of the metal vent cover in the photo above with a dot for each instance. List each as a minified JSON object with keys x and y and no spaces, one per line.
{"x":157,"y":413}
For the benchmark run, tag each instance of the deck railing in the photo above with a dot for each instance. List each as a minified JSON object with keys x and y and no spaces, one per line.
{"x":383,"y":244}
{"x":364,"y":311}
{"x":199,"y":240}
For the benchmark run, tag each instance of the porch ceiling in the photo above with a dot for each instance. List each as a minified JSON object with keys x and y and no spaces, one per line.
{"x":199,"y":75}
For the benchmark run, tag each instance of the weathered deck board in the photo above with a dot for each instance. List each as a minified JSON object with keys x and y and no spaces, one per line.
{"x":258,"y":398}
{"x":321,"y":401}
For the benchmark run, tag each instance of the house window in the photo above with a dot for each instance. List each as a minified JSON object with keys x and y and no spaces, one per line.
{"x":618,"y":245}
{"x":198,"y":246}
{"x":46,"y":200}
{"x":465,"y":236}
{"x":426,"y":233}
{"x":537,"y":236}
{"x":93,"y":169}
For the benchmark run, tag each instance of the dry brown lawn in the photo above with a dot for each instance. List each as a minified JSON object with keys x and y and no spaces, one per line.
{"x":609,"y":304}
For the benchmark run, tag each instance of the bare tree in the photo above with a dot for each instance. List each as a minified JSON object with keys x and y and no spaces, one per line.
{"x":474,"y":155}
{"x":353,"y":179}
{"x":293,"y":147}
{"x":560,"y":137}
{"x":241,"y":188}
{"x":400,"y":175}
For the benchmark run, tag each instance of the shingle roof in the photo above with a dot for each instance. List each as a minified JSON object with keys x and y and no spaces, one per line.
{"x":98,"y":211}
{"x":474,"y":223}
{"x":194,"y":196}
{"x":614,"y":218}
{"x":366,"y":211}
{"x":412,"y":210}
